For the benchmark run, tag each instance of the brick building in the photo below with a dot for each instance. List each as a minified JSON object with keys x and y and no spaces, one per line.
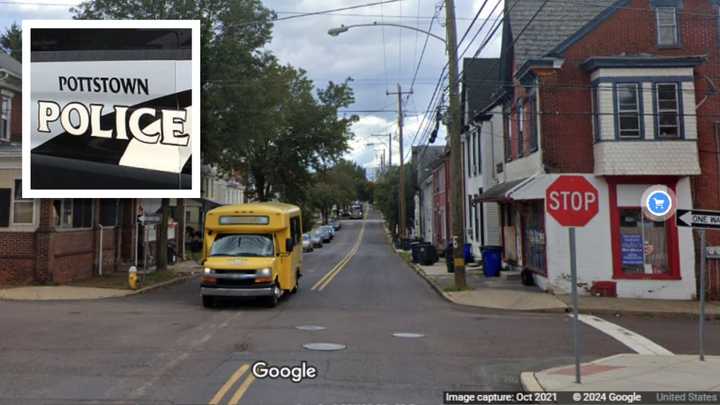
{"x":624,"y":93}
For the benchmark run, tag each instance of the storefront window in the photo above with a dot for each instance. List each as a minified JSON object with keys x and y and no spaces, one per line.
{"x":534,"y":236}
{"x":643,"y":244}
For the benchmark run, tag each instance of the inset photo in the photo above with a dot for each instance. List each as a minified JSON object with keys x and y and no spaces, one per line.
{"x":112,"y":109}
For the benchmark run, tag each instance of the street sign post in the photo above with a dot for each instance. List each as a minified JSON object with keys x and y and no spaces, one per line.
{"x":701,"y":220}
{"x":573,"y":202}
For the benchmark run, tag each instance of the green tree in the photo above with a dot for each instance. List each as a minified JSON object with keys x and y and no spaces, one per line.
{"x":11,"y":41}
{"x":386,"y":192}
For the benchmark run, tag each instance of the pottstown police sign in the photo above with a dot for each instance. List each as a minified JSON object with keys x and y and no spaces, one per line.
{"x":112,"y":109}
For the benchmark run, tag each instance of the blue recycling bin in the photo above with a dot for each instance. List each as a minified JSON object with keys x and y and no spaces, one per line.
{"x":492,"y":260}
{"x":468,"y":253}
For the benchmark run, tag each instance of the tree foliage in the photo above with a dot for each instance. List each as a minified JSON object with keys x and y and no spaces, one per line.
{"x":260,"y":118}
{"x":11,"y":41}
{"x":386,"y":194}
{"x":338,"y":186}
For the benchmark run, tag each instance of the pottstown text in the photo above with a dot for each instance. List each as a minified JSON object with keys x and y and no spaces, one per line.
{"x":76,"y":119}
{"x":103,"y":84}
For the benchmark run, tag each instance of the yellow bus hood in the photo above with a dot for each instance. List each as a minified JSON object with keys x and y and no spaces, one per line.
{"x":239,"y":263}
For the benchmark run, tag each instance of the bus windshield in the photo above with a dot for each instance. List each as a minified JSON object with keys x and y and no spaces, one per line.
{"x":244,"y":245}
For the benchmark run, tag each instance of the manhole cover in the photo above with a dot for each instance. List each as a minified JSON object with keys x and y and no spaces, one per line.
{"x":324,"y":346}
{"x":310,"y":327}
{"x":408,"y":335}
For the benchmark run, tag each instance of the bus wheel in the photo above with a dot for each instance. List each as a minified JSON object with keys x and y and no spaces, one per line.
{"x":272,"y":300}
{"x":208,"y":301}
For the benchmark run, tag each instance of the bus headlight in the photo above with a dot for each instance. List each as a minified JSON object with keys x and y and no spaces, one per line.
{"x":263,"y":275}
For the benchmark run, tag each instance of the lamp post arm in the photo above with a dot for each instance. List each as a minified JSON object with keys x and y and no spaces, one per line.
{"x":347,"y":27}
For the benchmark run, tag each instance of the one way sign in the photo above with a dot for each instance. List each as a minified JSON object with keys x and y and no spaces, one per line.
{"x":698,"y":219}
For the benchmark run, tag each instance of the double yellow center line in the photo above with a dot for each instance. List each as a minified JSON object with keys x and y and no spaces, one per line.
{"x":330,"y":275}
{"x":220,"y":394}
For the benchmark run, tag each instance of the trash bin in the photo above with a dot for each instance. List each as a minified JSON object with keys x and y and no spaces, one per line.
{"x":428,"y":254}
{"x":449,"y":258}
{"x":469,"y":257}
{"x":491,"y":256}
{"x":416,"y":252}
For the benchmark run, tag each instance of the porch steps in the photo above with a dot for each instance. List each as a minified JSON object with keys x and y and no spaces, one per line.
{"x":510,"y":275}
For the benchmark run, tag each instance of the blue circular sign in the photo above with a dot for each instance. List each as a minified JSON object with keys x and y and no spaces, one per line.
{"x":659,"y":203}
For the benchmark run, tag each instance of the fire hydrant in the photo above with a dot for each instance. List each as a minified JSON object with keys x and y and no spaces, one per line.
{"x":133,"y":278}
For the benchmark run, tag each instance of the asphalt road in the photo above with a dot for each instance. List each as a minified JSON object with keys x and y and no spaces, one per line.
{"x":164,"y":347}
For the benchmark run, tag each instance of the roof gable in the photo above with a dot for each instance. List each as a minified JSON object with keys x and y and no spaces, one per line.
{"x":8,"y":63}
{"x":556,"y":27}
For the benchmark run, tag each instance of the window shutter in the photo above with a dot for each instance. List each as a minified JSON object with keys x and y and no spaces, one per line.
{"x":4,"y":207}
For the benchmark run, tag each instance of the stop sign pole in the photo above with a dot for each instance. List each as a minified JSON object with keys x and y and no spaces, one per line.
{"x":572,"y":201}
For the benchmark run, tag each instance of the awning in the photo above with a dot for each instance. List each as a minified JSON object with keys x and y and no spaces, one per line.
{"x":499,"y":191}
{"x":528,"y":188}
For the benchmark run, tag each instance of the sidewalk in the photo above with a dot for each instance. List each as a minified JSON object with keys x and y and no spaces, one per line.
{"x":631,"y":372}
{"x":182,"y":270}
{"x":489,"y":292}
{"x":507,"y":292}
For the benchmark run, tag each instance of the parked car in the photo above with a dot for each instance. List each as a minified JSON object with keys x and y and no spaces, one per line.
{"x":324,"y":234}
{"x":330,"y":229}
{"x":335,"y":224}
{"x":316,"y":240}
{"x":307,"y":243}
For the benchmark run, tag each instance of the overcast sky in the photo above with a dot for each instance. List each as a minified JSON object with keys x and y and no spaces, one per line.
{"x":376,"y":58}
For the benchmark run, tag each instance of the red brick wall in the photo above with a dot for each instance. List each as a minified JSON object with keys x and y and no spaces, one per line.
{"x":16,"y":118}
{"x":18,"y":258}
{"x":74,"y":255}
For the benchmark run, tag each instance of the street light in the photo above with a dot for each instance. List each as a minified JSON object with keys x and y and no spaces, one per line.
{"x":344,"y":28}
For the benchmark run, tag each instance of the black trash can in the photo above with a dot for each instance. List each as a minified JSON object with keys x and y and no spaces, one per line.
{"x":416,"y":252}
{"x":449,"y":258}
{"x":428,"y":254}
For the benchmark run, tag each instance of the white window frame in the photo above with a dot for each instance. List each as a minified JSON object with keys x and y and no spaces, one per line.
{"x":660,"y":111}
{"x":521,"y":128}
{"x":14,"y":201}
{"x":637,"y":111}
{"x":674,"y":25}
{"x":5,"y":117}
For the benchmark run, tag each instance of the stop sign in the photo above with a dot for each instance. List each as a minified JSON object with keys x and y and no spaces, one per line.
{"x":572,"y":201}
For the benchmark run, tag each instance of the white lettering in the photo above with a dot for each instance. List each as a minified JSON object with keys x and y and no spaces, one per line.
{"x":95,"y":115}
{"x":135,"y":125}
{"x":554,"y":202}
{"x":83,"y":119}
{"x":47,"y":111}
{"x":173,"y":131}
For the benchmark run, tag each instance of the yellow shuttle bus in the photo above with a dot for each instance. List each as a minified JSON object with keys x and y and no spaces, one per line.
{"x":251,"y":250}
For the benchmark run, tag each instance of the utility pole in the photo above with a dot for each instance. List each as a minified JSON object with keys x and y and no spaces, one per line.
{"x":403,"y":212}
{"x":389,"y":136}
{"x":456,"y":198}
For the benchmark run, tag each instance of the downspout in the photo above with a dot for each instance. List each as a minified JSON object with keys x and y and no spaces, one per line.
{"x":100,"y":251}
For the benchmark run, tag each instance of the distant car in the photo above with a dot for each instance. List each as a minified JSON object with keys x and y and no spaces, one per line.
{"x":336,"y":225}
{"x":330,"y":229}
{"x":316,"y":240}
{"x":307,"y":243}
{"x":324,"y":234}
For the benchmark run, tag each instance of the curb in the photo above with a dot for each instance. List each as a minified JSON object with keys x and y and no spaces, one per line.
{"x":163,"y":284}
{"x":660,"y":315}
{"x":530,"y":383}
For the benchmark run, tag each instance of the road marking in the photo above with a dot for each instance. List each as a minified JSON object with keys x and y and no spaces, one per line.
{"x":330,"y":275}
{"x":241,"y":391}
{"x":228,"y":384}
{"x":637,"y":342}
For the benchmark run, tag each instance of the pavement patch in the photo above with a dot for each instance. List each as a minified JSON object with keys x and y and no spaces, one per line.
{"x":409,"y":335}
{"x":310,"y":327}
{"x":324,"y":347}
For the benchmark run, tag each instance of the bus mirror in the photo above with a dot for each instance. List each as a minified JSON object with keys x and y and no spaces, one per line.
{"x":289,"y":245}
